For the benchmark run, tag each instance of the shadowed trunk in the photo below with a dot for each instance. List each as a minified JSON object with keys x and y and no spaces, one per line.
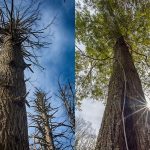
{"x":120,"y":130}
{"x":13,"y":119}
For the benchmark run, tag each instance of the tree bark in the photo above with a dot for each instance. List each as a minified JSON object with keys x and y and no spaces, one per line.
{"x":120,"y":130}
{"x":43,"y":110}
{"x":13,"y":118}
{"x":48,"y":133}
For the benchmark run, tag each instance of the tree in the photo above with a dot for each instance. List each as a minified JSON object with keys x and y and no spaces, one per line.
{"x":51,"y":130}
{"x":42,"y":121}
{"x":66,"y":94}
{"x":116,"y":36}
{"x":85,"y":135}
{"x":18,"y":31}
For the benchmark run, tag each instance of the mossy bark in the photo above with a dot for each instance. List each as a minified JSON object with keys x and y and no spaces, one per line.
{"x":13,"y":118}
{"x":125,"y":97}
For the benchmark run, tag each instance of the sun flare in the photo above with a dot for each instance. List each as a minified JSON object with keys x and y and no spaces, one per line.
{"x":148,"y":104}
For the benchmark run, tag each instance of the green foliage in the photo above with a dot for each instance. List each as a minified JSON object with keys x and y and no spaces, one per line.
{"x":98,"y":25}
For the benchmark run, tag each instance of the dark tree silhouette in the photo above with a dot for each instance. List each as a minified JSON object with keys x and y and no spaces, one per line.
{"x":67,"y":97}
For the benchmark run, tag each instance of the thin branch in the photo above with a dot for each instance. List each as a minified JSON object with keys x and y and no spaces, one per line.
{"x":90,"y":57}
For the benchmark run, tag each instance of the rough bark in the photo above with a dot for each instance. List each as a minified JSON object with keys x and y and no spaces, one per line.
{"x":125,"y":96}
{"x":13,"y":118}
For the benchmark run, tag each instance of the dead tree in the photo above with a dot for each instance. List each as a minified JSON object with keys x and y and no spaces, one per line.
{"x":18,"y":31}
{"x":42,"y":121}
{"x":66,"y":94}
{"x":50,"y":131}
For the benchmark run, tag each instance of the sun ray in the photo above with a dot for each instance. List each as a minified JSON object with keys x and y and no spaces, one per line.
{"x":146,"y":117}
{"x":134,"y":113}
{"x":143,"y":103}
{"x":148,"y":104}
{"x":141,"y":116}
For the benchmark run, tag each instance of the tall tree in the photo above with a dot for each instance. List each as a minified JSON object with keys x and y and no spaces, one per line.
{"x":18,"y":31}
{"x":51,"y":129}
{"x":116,"y":36}
{"x":42,"y":121}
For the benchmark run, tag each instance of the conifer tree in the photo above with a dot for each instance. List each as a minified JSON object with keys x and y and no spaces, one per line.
{"x":19,"y":36}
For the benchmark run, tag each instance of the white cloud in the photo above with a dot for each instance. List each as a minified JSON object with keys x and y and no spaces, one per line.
{"x":53,"y":55}
{"x":92,"y":111}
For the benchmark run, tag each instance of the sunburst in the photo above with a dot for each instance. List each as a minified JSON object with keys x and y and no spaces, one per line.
{"x":148,"y":104}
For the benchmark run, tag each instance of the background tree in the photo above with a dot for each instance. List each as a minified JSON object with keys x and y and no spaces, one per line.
{"x":66,"y":95}
{"x":49,"y":130}
{"x":19,"y":36}
{"x":43,"y":121}
{"x":116,"y":35}
{"x":85,"y":135}
{"x":54,"y":127}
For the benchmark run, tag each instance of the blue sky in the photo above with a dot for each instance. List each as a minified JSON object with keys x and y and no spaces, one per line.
{"x":58,"y":59}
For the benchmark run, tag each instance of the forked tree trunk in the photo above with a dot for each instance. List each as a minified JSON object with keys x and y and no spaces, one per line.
{"x":13,"y":118}
{"x":120,"y":130}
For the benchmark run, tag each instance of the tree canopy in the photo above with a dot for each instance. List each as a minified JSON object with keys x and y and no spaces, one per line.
{"x":98,"y":25}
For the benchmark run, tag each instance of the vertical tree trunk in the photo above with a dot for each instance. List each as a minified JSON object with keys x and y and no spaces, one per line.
{"x":43,"y":110}
{"x":48,"y":134}
{"x":120,"y":130}
{"x":13,"y":118}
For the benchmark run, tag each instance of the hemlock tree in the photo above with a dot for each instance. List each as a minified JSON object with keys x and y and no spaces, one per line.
{"x":42,"y":121}
{"x":51,"y":129}
{"x":116,"y":39}
{"x":18,"y":31}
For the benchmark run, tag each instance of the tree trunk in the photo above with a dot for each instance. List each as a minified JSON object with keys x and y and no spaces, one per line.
{"x":120,"y":130}
{"x":13,"y":118}
{"x":43,"y":110}
{"x":48,"y":134}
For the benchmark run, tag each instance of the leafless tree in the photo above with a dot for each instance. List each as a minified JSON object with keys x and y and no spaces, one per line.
{"x":67,"y":96}
{"x":43,"y":121}
{"x":19,"y":36}
{"x":85,"y":135}
{"x":50,"y":130}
